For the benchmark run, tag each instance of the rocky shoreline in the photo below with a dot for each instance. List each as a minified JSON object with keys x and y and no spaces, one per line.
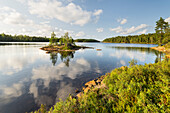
{"x":95,"y":84}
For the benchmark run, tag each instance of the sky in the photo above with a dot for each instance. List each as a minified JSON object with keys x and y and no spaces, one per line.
{"x":97,"y":19}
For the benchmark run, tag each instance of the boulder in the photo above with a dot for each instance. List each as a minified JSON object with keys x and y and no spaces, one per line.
{"x":77,"y":91}
{"x":86,"y":90}
{"x":98,"y":49}
{"x":123,"y":67}
{"x":99,"y":81}
{"x":90,"y":83}
{"x":79,"y":95}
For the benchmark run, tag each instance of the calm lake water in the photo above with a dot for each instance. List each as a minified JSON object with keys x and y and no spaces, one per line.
{"x":29,"y":77}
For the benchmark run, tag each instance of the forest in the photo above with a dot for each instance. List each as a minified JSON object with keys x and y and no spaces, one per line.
{"x":25,"y":38}
{"x":22,"y":38}
{"x":151,"y":38}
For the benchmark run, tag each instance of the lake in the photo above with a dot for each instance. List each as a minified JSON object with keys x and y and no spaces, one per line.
{"x":30,"y":77}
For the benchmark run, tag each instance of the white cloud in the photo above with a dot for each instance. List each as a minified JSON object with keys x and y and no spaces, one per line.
{"x":167,"y":20}
{"x":98,"y":12}
{"x":70,"y":13}
{"x":143,"y":31}
{"x":21,"y":1}
{"x":11,"y":16}
{"x":122,"y":21}
{"x":118,"y":29}
{"x":133,"y":29}
{"x":70,"y":0}
{"x":99,"y":30}
{"x":80,"y":34}
{"x":16,"y":23}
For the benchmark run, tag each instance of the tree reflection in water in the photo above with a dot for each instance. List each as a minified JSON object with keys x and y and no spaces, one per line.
{"x":159,"y":55}
{"x":65,"y":57}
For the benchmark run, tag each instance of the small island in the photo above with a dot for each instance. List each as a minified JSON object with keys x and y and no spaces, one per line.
{"x":65,"y":43}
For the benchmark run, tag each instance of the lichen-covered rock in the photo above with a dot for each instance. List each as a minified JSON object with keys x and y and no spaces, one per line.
{"x":86,"y":90}
{"x":99,"y":81}
{"x":90,"y":83}
{"x":123,"y":67}
{"x":79,"y":95}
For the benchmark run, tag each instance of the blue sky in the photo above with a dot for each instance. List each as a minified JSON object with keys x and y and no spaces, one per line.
{"x":98,"y":19}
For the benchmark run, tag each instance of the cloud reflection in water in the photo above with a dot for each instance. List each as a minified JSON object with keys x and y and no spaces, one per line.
{"x":56,"y":75}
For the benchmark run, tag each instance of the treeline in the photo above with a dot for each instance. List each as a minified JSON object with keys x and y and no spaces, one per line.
{"x":22,"y":38}
{"x":86,"y":40}
{"x":151,"y":38}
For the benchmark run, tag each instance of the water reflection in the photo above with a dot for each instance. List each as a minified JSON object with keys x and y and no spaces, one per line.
{"x":46,"y":77}
{"x":159,"y":56}
{"x":141,"y":53}
{"x":65,"y":57}
{"x":140,"y":49}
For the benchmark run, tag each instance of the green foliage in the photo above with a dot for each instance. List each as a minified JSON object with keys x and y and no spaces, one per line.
{"x":65,"y":40}
{"x":161,"y":28}
{"x":167,"y":45}
{"x":86,"y":40}
{"x":136,"y":89}
{"x":141,"y":39}
{"x":132,"y":62}
{"x":21,"y":38}
{"x":53,"y":40}
{"x":141,"y":88}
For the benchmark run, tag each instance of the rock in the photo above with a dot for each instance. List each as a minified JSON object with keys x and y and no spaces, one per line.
{"x":123,"y":67}
{"x":83,"y":88}
{"x":77,"y":91}
{"x":98,"y":49}
{"x":90,"y":83}
{"x":79,"y":95}
{"x":167,"y":56}
{"x":99,"y":81}
{"x":48,"y":52}
{"x":102,"y":83}
{"x":86,"y":90}
{"x":71,"y":97}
